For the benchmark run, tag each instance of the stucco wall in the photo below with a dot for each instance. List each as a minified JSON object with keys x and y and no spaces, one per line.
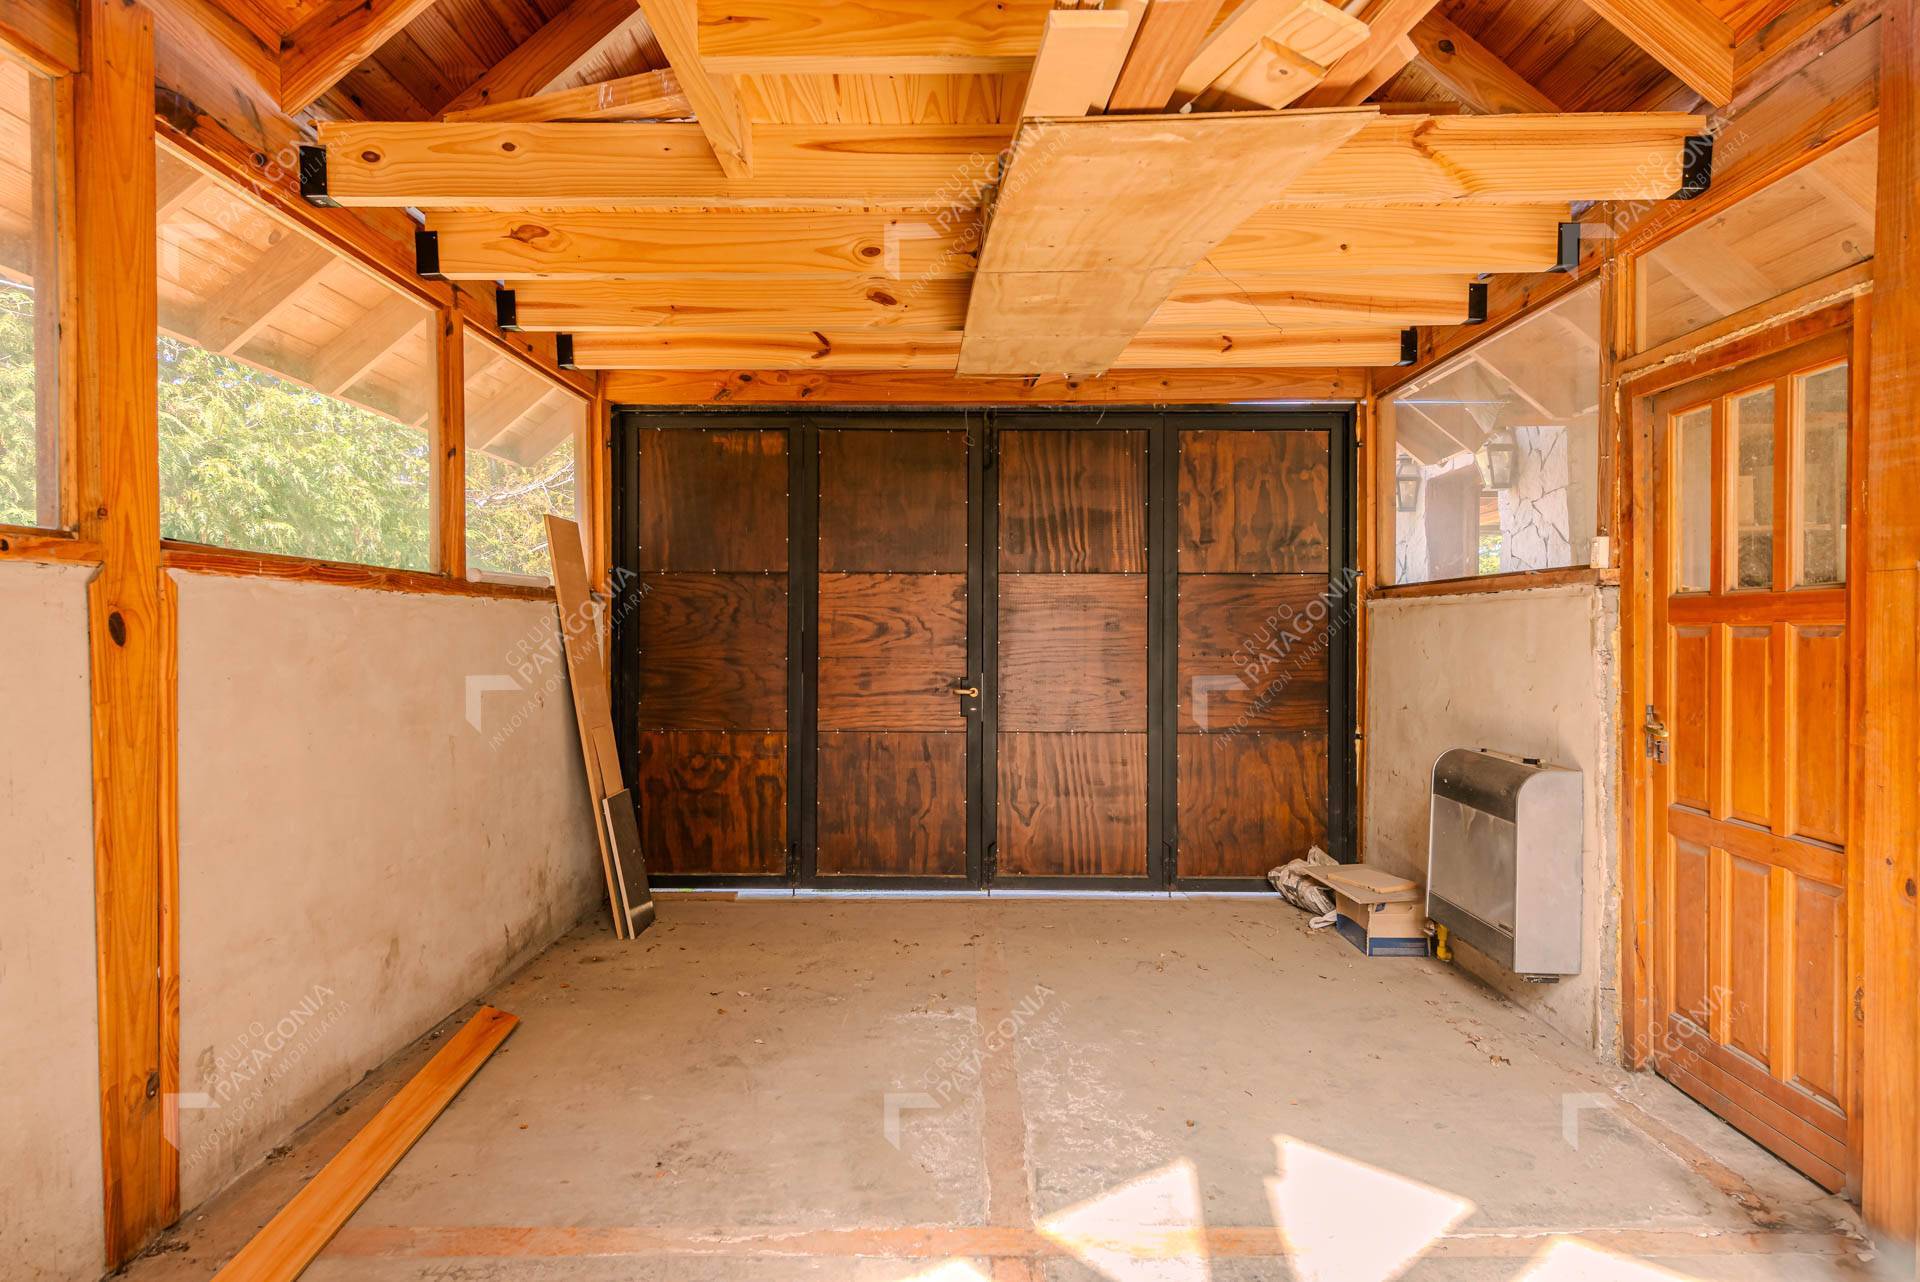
{"x":1533,"y":673}
{"x":356,"y":857}
{"x":50,"y":1224}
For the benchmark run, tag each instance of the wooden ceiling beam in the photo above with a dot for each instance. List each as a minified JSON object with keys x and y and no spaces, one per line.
{"x":1394,"y":240}
{"x":918,"y":350}
{"x":1393,"y":159}
{"x":716,"y":104}
{"x":1471,"y":71}
{"x":339,"y":37}
{"x":1389,"y":22}
{"x":742,"y":304}
{"x":347,"y":359}
{"x":882,"y":37}
{"x":723,"y":243}
{"x":491,"y":418}
{"x":1683,"y":36}
{"x":538,"y":62}
{"x":1207,"y":299}
{"x":651,"y":95}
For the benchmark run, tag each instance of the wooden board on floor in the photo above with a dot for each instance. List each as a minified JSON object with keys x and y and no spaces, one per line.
{"x":1114,"y":212}
{"x":283,"y":1249}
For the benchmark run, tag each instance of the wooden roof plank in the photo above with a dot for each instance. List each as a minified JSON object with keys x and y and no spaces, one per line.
{"x":1393,"y":240}
{"x":693,"y":245}
{"x":650,"y":95}
{"x":716,"y":104}
{"x":1469,"y":69}
{"x":347,"y":359}
{"x":1388,"y":23}
{"x":231,"y":319}
{"x":746,"y":303}
{"x":1231,"y":38}
{"x":1683,"y":36}
{"x":1269,"y":75}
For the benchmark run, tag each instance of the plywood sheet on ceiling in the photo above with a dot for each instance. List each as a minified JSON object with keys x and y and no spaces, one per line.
{"x":1097,"y":219}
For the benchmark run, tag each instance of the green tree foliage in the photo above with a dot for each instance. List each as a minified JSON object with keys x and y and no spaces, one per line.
{"x":505,"y":507}
{"x":18,"y":433}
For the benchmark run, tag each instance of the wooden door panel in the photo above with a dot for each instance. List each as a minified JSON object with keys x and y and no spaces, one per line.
{"x":712,"y":499}
{"x":891,"y":647}
{"x":1254,"y":502}
{"x":1250,"y":802}
{"x":893,"y":501}
{"x":1688,"y":723}
{"x":713,"y":652}
{"x":1253,"y":652}
{"x":1073,"y":652}
{"x":1819,"y":986}
{"x":712,"y":801}
{"x":1747,"y":737}
{"x":1073,"y":804}
{"x":1746,"y":927}
{"x":1688,"y":959}
{"x":893,"y":803}
{"x":1817,"y":735}
{"x":1073,"y":502}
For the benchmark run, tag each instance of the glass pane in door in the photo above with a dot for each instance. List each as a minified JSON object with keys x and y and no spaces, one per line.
{"x":1751,"y":426}
{"x":1821,"y":481}
{"x":1693,"y":500}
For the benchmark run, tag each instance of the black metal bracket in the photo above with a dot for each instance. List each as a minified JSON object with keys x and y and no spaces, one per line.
{"x":1477,"y":303}
{"x":1409,"y":346}
{"x":1569,"y":254}
{"x":1696,"y":167}
{"x":506,"y":310}
{"x":313,"y":176}
{"x":426,"y":254}
{"x":563,"y":351}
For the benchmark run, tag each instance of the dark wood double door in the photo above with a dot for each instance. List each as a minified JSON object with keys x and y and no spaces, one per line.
{"x":1021,"y":649}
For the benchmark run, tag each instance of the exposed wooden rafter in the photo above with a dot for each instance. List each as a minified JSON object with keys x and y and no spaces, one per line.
{"x":651,"y":95}
{"x":233,"y":318}
{"x":1471,"y":71}
{"x":336,"y":39}
{"x":1683,"y":36}
{"x":545,"y":57}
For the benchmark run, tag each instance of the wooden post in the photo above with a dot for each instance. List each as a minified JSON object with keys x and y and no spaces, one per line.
{"x":1889,"y":806}
{"x":129,"y":620}
{"x":449,"y":481}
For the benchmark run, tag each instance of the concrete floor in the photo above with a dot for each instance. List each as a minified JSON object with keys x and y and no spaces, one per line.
{"x":950,"y":1090}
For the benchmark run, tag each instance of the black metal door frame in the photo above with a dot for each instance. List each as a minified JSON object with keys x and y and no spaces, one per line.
{"x":982,"y":428}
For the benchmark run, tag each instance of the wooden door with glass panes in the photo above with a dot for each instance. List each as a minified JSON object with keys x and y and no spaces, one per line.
{"x":1749,"y":736}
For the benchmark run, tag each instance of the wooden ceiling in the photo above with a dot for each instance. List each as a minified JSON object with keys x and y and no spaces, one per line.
{"x":694,"y":184}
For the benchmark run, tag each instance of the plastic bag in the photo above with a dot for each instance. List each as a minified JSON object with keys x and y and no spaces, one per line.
{"x":1300,"y":890}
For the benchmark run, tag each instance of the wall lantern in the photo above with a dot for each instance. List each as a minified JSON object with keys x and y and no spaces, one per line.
{"x":1406,"y":484}
{"x":1499,"y":464}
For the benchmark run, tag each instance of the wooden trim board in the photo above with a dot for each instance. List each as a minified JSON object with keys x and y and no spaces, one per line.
{"x":292,"y":1239}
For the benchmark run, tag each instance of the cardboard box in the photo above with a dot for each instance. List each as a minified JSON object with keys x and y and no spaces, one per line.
{"x":1380,"y":914}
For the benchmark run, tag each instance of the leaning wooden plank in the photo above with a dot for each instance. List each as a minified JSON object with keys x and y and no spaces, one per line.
{"x":283,"y":1249}
{"x":1231,"y":39}
{"x":1472,"y":72}
{"x":1170,"y":33}
{"x":675,"y":23}
{"x":1388,"y":22}
{"x":1099,"y":218}
{"x":651,"y":95}
{"x":1392,"y":240}
{"x":1319,"y":32}
{"x":1080,"y":57}
{"x":1269,"y":75}
{"x":592,"y":702}
{"x":879,"y":37}
{"x":749,"y":304}
{"x":584,"y":244}
{"x":654,"y":166}
{"x":1683,"y":36}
